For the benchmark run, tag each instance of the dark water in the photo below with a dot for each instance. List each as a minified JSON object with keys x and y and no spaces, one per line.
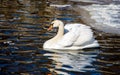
{"x":23,"y":31}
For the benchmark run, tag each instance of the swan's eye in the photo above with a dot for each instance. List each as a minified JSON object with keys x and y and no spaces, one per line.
{"x":51,"y":24}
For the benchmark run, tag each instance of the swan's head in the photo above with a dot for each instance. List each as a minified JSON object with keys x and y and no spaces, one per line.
{"x":55,"y":23}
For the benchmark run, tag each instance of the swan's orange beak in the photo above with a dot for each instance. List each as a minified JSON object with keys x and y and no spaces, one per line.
{"x":50,"y":28}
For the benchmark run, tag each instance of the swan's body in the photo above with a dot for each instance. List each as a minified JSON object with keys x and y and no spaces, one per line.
{"x":78,"y":36}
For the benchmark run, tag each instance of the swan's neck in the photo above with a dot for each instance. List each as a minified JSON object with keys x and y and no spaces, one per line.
{"x":60,"y":33}
{"x":55,"y":39}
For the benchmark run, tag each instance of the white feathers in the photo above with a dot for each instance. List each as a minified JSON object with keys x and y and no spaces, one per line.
{"x":78,"y":36}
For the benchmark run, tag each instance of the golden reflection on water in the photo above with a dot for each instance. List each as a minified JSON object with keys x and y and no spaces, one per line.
{"x":23,"y":31}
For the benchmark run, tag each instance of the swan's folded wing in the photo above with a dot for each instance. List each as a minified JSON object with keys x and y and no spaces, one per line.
{"x":68,"y":27}
{"x":70,"y":37}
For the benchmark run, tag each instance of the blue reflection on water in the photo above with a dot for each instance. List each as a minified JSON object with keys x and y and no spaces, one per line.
{"x":73,"y":62}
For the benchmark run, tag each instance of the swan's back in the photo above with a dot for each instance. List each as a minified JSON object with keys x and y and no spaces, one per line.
{"x":77,"y":35}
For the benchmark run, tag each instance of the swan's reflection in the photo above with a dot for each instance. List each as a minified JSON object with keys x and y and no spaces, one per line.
{"x":72,"y":61}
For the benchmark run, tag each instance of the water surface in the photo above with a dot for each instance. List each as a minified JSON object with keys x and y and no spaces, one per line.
{"x":23,"y":31}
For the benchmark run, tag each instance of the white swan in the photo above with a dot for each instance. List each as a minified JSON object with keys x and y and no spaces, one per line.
{"x":72,"y":36}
